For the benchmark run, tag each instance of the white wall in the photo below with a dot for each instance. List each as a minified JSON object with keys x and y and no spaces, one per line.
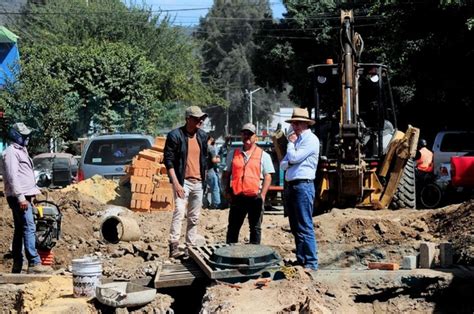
{"x":280,"y":117}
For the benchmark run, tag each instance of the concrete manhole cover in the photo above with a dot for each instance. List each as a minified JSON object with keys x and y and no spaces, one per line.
{"x":249,"y":256}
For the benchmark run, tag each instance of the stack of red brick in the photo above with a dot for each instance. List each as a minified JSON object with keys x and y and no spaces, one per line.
{"x":151,"y":190}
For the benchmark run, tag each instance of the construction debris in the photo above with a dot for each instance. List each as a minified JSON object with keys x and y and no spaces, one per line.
{"x":383,"y":266}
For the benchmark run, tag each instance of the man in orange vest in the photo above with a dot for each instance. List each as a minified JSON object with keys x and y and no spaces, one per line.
{"x":246,"y":180}
{"x":424,"y":158}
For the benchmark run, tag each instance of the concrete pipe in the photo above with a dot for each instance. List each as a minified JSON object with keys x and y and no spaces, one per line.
{"x":115,"y":229}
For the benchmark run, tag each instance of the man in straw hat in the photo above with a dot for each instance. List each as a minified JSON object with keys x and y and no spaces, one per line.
{"x":300,"y":163}
{"x":185,"y":158}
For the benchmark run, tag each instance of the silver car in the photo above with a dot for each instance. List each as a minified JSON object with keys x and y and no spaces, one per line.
{"x":107,"y":155}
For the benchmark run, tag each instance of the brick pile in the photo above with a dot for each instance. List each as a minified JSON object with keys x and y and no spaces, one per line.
{"x":151,"y":190}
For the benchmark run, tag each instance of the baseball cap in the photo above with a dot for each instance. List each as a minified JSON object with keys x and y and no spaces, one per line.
{"x":249,"y":127}
{"x":22,"y":128}
{"x":195,"y":111}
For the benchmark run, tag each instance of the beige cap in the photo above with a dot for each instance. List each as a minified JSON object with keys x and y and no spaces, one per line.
{"x":195,"y":111}
{"x":249,"y":127}
{"x":22,"y":128}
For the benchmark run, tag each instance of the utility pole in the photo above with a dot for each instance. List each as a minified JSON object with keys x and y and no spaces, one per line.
{"x":227,"y":109}
{"x":251,"y":105}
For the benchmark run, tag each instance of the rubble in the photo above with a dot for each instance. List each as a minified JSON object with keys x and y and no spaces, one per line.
{"x":348,"y":240}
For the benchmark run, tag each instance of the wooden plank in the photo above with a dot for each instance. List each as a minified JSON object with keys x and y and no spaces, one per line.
{"x":177,"y":275}
{"x":22,"y":278}
{"x":207,"y":251}
{"x":194,"y":254}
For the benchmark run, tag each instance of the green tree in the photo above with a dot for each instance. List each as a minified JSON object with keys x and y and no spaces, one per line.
{"x":123,"y":68}
{"x":228,"y":50}
{"x":419,"y":41}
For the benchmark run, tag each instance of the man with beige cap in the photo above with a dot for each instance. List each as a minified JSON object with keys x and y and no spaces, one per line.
{"x":185,"y":158}
{"x":300,"y":164}
{"x":246,"y":181}
{"x":20,"y":189}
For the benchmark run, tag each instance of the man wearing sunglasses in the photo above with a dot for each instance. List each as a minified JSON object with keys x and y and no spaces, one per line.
{"x":185,"y":158}
{"x":246,"y":180}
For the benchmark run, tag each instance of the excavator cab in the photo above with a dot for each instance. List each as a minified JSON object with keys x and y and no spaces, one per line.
{"x":365,"y":161}
{"x":375,"y":112}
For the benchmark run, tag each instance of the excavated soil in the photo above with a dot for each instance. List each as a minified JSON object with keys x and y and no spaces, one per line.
{"x":348,"y":239}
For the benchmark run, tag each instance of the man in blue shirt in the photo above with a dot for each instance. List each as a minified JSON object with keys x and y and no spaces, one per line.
{"x":300,"y":163}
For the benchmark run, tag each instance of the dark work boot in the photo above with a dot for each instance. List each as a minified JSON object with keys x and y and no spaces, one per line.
{"x":16,"y":269}
{"x":175,"y":252}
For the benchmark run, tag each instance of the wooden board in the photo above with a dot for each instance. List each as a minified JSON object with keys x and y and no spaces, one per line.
{"x":178,"y":275}
{"x":6,"y":278}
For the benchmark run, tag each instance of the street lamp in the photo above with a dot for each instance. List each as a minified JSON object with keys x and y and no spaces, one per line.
{"x":251,"y":105}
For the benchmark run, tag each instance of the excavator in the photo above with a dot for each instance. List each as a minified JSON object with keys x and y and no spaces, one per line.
{"x":365,"y":161}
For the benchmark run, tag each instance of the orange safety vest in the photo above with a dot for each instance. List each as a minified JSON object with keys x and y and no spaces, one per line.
{"x":246,"y":175}
{"x":425,"y":162}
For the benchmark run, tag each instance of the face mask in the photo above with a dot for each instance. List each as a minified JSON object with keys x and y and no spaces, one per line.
{"x":16,"y":137}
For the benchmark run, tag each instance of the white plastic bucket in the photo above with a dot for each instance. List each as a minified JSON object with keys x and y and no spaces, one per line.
{"x":86,"y":275}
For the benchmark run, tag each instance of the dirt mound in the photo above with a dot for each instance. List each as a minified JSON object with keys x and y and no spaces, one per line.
{"x":456,"y":225}
{"x":104,"y":190}
{"x":347,"y":240}
{"x":295,"y":295}
{"x":370,"y":230}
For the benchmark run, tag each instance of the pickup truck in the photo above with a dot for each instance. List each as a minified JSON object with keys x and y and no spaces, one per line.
{"x":449,"y":144}
{"x":451,"y":151}
{"x":462,"y":171}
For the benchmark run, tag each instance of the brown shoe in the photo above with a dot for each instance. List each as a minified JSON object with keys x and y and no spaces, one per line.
{"x":175,"y":252}
{"x":40,"y":269}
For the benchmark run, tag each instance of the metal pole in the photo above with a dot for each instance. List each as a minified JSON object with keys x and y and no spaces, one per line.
{"x":227,"y":110}
{"x":251,"y":104}
{"x":251,"y":108}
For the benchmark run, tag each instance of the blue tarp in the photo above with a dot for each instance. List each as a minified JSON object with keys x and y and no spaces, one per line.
{"x":9,"y":62}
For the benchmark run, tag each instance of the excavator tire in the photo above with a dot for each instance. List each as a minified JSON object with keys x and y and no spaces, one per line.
{"x":405,"y":196}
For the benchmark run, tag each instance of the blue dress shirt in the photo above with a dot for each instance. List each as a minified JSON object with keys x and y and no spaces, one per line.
{"x":301,"y":159}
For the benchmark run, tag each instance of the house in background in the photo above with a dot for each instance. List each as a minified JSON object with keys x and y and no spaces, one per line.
{"x":9,"y":56}
{"x":9,"y":66}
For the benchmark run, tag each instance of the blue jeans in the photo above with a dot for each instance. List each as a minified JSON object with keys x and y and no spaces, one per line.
{"x":300,"y":213}
{"x":24,"y":234}
{"x":214,"y":187}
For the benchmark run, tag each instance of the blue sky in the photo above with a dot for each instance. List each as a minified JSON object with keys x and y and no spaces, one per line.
{"x":189,"y":18}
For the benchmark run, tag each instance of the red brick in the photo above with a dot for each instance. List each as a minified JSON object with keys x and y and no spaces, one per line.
{"x":383,"y":266}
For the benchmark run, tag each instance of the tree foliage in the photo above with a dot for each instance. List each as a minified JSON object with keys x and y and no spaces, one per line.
{"x":424,"y":44}
{"x":105,"y":65}
{"x":229,"y":48}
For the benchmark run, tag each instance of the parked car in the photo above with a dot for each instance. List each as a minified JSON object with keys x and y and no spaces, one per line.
{"x":108,"y":154}
{"x":54,"y":169}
